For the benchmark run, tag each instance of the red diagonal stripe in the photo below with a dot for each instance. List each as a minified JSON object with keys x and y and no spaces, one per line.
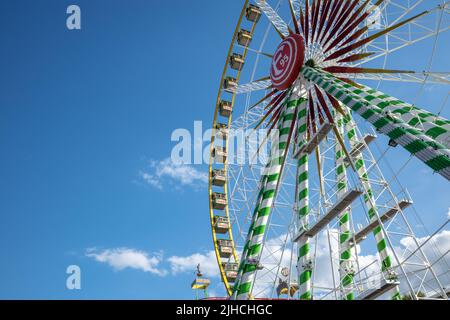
{"x":313,"y":15}
{"x":355,"y":36}
{"x":333,"y":101}
{"x":340,"y":69}
{"x":356,"y":57}
{"x":302,"y":21}
{"x":274,"y":119}
{"x":312,"y":113}
{"x":294,"y":19}
{"x":338,"y":23}
{"x":356,"y":14}
{"x":324,"y":105}
{"x":264,"y":98}
{"x":341,"y":35}
{"x":276,"y":100}
{"x":325,"y":14}
{"x":333,"y":14}
{"x":307,"y":22}
{"x":316,"y":19}
{"x":371,"y":38}
{"x":353,"y":83}
{"x":355,"y":23}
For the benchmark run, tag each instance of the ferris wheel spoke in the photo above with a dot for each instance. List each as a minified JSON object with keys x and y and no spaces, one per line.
{"x":253,"y":86}
{"x":341,"y":18}
{"x":350,"y":26}
{"x":294,"y":18}
{"x":353,"y":70}
{"x":406,"y":9}
{"x":280,"y":26}
{"x":401,"y":40}
{"x":324,"y":14}
{"x":307,"y":22}
{"x":341,"y":52}
{"x":333,"y":10}
{"x":296,"y":5}
{"x":416,"y":77}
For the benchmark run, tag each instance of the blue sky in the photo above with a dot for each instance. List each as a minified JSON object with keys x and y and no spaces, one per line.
{"x":83,"y":113}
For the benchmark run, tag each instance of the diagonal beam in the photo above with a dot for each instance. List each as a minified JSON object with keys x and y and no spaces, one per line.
{"x":369,"y":39}
{"x":252,"y":86}
{"x":294,"y":18}
{"x":401,"y":40}
{"x":418,"y":77}
{"x":280,"y":26}
{"x":296,"y":6}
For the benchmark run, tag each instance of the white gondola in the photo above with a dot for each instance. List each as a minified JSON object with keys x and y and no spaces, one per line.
{"x":225,"y":108}
{"x":237,"y":61}
{"x":218,"y":178}
{"x":231,"y":270}
{"x":219,"y":154}
{"x":230,"y":84}
{"x":244,"y":38}
{"x":253,"y":13}
{"x":221,"y":224}
{"x":225,"y":248}
{"x":222,"y":130}
{"x":219,"y":201}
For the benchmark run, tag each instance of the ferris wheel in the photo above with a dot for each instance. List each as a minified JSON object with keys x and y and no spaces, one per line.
{"x":303,"y":207}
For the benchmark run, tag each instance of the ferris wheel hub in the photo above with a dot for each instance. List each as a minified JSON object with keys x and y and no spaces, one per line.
{"x":287,"y":62}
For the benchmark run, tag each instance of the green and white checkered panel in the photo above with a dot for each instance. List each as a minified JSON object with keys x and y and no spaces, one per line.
{"x":433,"y":126}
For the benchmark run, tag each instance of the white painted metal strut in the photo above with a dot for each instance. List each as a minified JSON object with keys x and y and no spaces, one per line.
{"x":418,"y":77}
{"x":252,"y":86}
{"x":361,"y":235}
{"x":360,"y":147}
{"x":315,"y":140}
{"x":385,"y":286}
{"x":273,"y":17}
{"x":338,"y":207}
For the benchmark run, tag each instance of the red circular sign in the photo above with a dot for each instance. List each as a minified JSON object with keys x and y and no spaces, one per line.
{"x":287,"y":62}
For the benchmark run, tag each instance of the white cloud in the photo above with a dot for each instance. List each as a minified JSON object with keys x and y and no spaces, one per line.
{"x":207,"y":261}
{"x":436,"y":250}
{"x":151,"y":180}
{"x":166,"y":171}
{"x":123,"y":258}
{"x":272,"y":253}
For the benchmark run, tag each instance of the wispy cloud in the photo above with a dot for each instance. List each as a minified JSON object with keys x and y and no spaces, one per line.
{"x":206,"y":260}
{"x":123,"y":258}
{"x":165,"y":172}
{"x":151,"y":180}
